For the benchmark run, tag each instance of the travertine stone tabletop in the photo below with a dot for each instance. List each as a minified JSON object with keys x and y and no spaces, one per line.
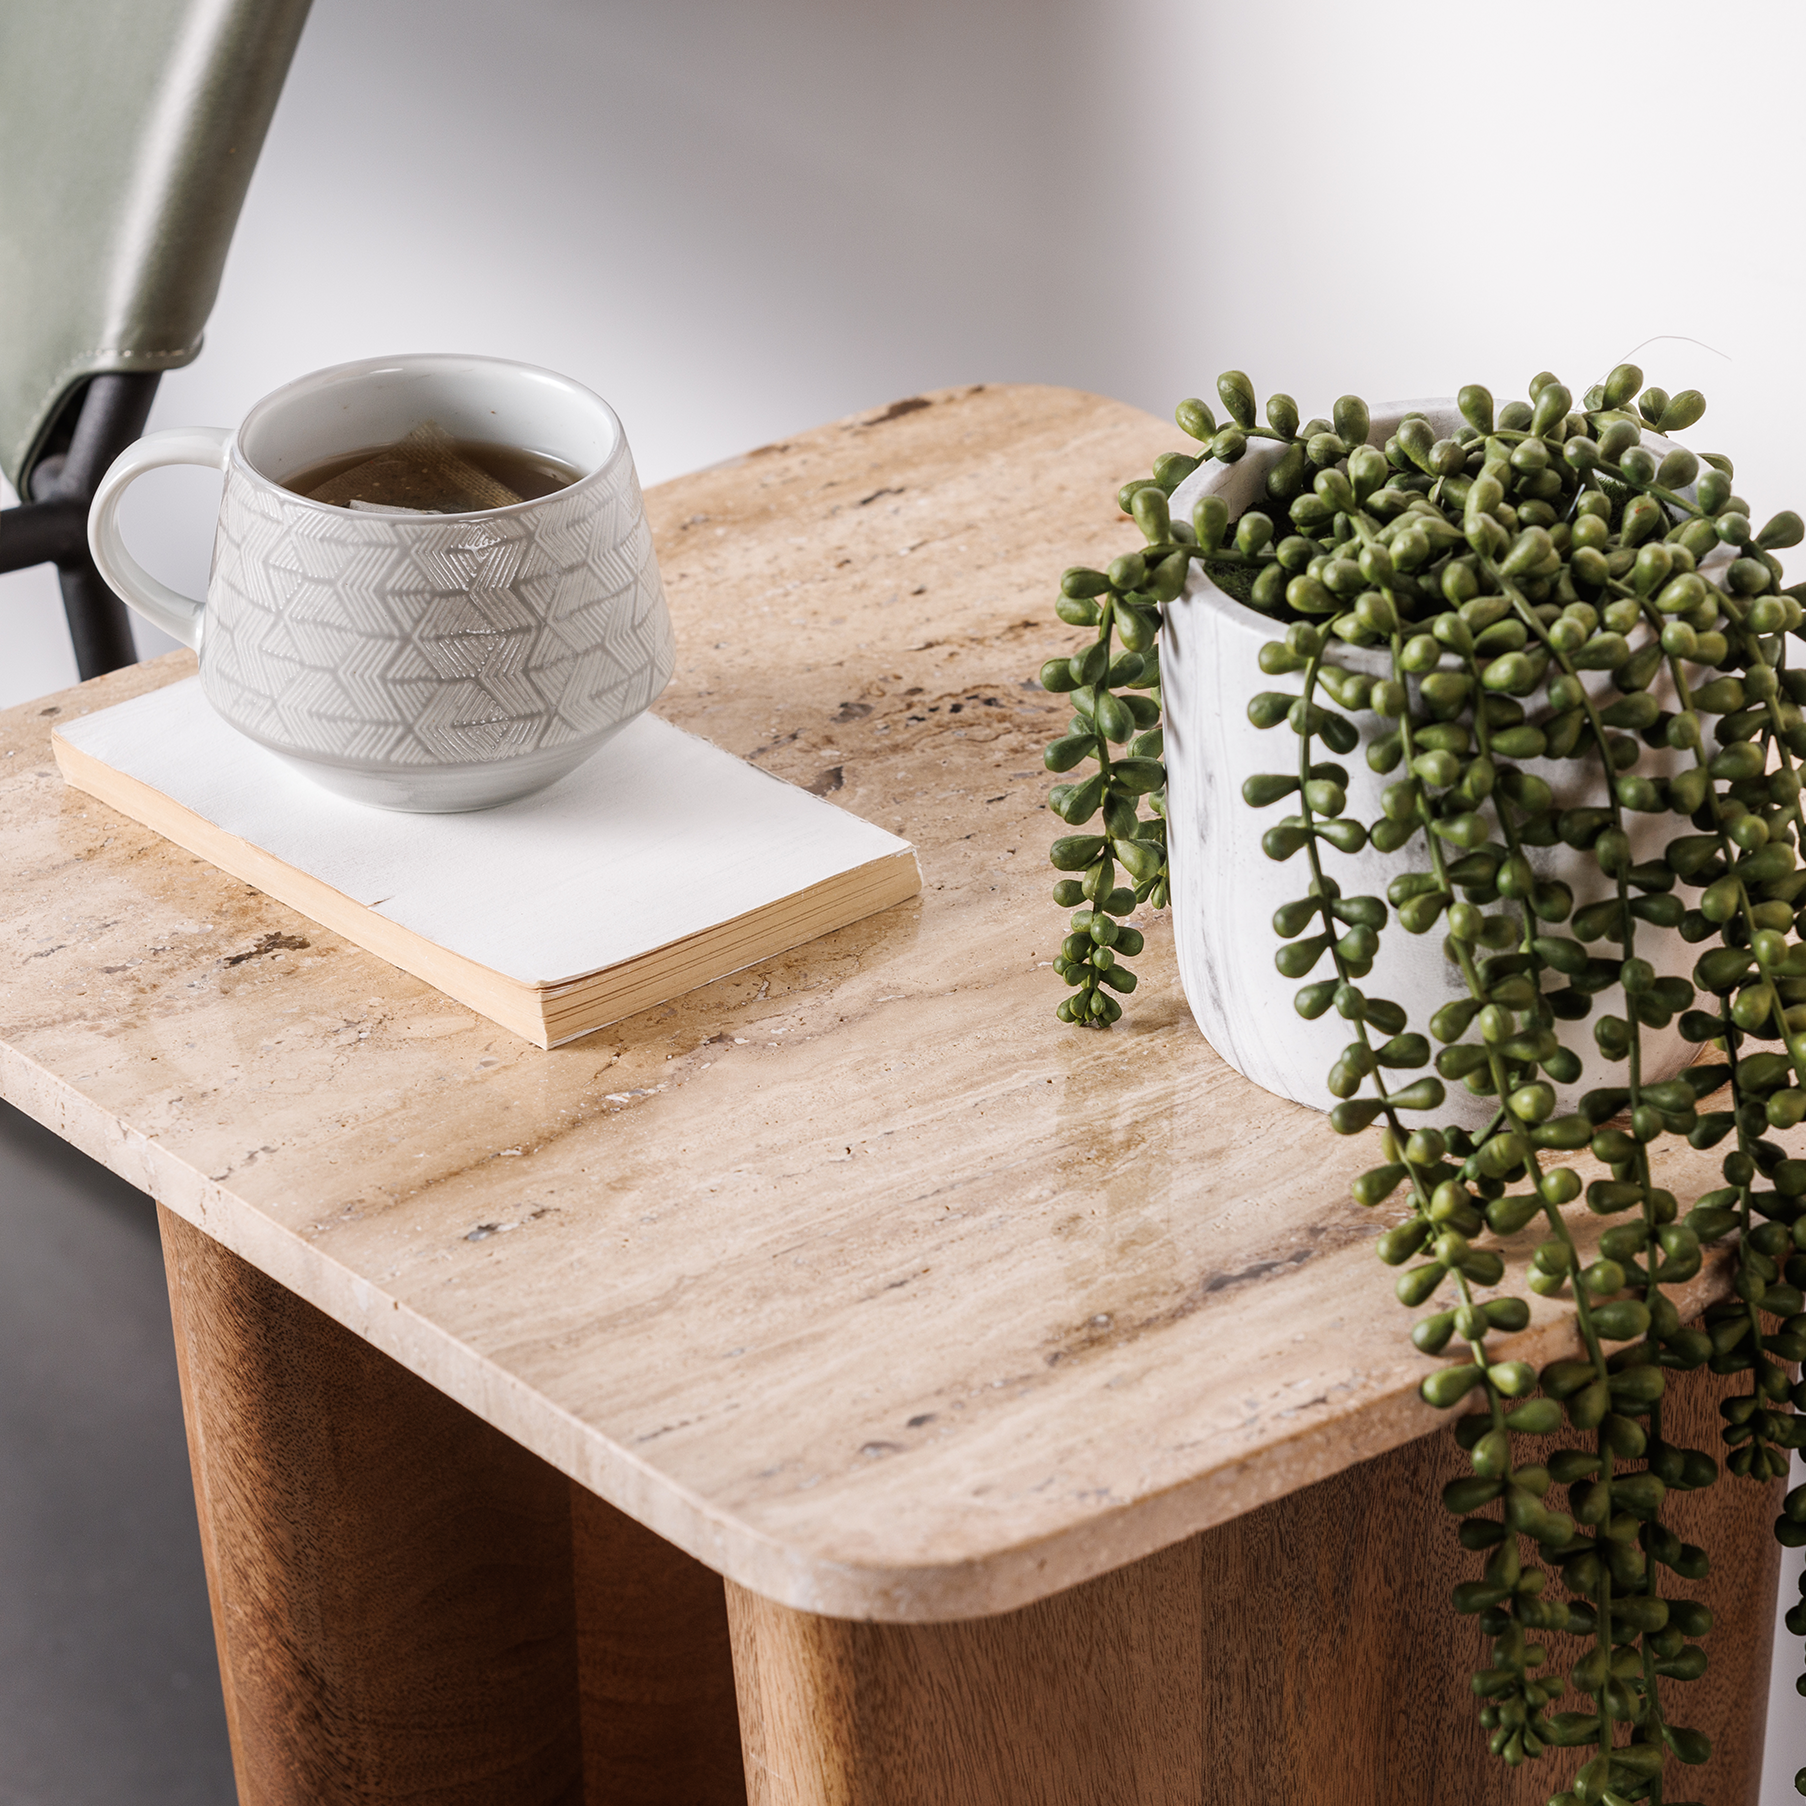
{"x":856,"y":1275}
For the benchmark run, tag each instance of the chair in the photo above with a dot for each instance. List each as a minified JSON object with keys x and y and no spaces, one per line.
{"x":128,"y":133}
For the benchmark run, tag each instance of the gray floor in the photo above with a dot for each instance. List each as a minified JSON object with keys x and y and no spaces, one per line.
{"x":109,"y":1693}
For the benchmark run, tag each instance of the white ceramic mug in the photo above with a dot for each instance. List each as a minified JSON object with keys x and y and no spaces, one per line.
{"x":420,"y":662}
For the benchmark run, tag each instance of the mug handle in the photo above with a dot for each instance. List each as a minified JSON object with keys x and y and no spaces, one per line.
{"x":177,"y":614}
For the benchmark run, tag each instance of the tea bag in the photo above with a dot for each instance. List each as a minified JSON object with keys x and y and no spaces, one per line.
{"x":422,"y":474}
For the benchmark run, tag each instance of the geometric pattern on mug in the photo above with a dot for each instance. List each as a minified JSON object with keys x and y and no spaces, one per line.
{"x":401,"y":641}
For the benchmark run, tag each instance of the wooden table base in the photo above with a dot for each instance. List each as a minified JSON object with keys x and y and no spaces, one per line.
{"x":411,"y":1607}
{"x":1304,"y":1652}
{"x":654,"y":1667}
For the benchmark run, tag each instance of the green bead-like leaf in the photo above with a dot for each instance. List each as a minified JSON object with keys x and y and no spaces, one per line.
{"x":1237,"y":396}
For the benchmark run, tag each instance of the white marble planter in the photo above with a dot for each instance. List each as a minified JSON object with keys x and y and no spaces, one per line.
{"x":1225,"y":888}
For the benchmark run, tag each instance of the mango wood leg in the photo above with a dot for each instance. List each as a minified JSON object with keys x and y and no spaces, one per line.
{"x":390,"y":1578}
{"x":1087,"y":1699}
{"x":1305,"y":1652}
{"x":655,"y":1670}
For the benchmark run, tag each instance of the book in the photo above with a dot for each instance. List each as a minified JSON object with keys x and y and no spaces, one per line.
{"x":660,"y":864}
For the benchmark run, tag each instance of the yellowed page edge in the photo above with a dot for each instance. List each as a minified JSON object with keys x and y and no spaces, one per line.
{"x":686,"y":965}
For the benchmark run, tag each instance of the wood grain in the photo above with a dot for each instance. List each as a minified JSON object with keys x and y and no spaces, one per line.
{"x":856,"y":1276}
{"x":1304,"y":1652}
{"x":1087,"y":1699}
{"x":655,"y":1668}
{"x":390,"y":1578}
{"x":1733,"y":1521}
{"x":1350,"y":1674}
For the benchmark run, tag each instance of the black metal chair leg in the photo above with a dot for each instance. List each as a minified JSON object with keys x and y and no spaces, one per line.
{"x":52,"y":527}
{"x":100,"y":626}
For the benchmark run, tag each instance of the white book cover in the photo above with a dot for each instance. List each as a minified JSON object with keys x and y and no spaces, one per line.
{"x":659,"y":838}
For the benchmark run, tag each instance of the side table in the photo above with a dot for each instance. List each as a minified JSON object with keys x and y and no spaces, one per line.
{"x":842,"y":1384}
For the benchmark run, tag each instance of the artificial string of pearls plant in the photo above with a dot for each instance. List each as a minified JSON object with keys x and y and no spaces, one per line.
{"x":1494,"y":568}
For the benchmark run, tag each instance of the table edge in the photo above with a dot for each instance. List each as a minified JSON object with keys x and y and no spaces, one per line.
{"x":1006,"y":1578}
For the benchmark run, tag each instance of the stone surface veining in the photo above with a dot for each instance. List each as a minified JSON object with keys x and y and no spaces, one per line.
{"x":855,"y":1274}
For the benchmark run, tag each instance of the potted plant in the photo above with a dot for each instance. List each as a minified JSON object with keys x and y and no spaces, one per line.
{"x":1533,"y":666}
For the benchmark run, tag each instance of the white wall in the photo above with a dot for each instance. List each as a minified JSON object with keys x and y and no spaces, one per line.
{"x":737,"y":221}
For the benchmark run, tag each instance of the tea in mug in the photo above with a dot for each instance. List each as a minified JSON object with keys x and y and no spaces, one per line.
{"x":430,"y":472}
